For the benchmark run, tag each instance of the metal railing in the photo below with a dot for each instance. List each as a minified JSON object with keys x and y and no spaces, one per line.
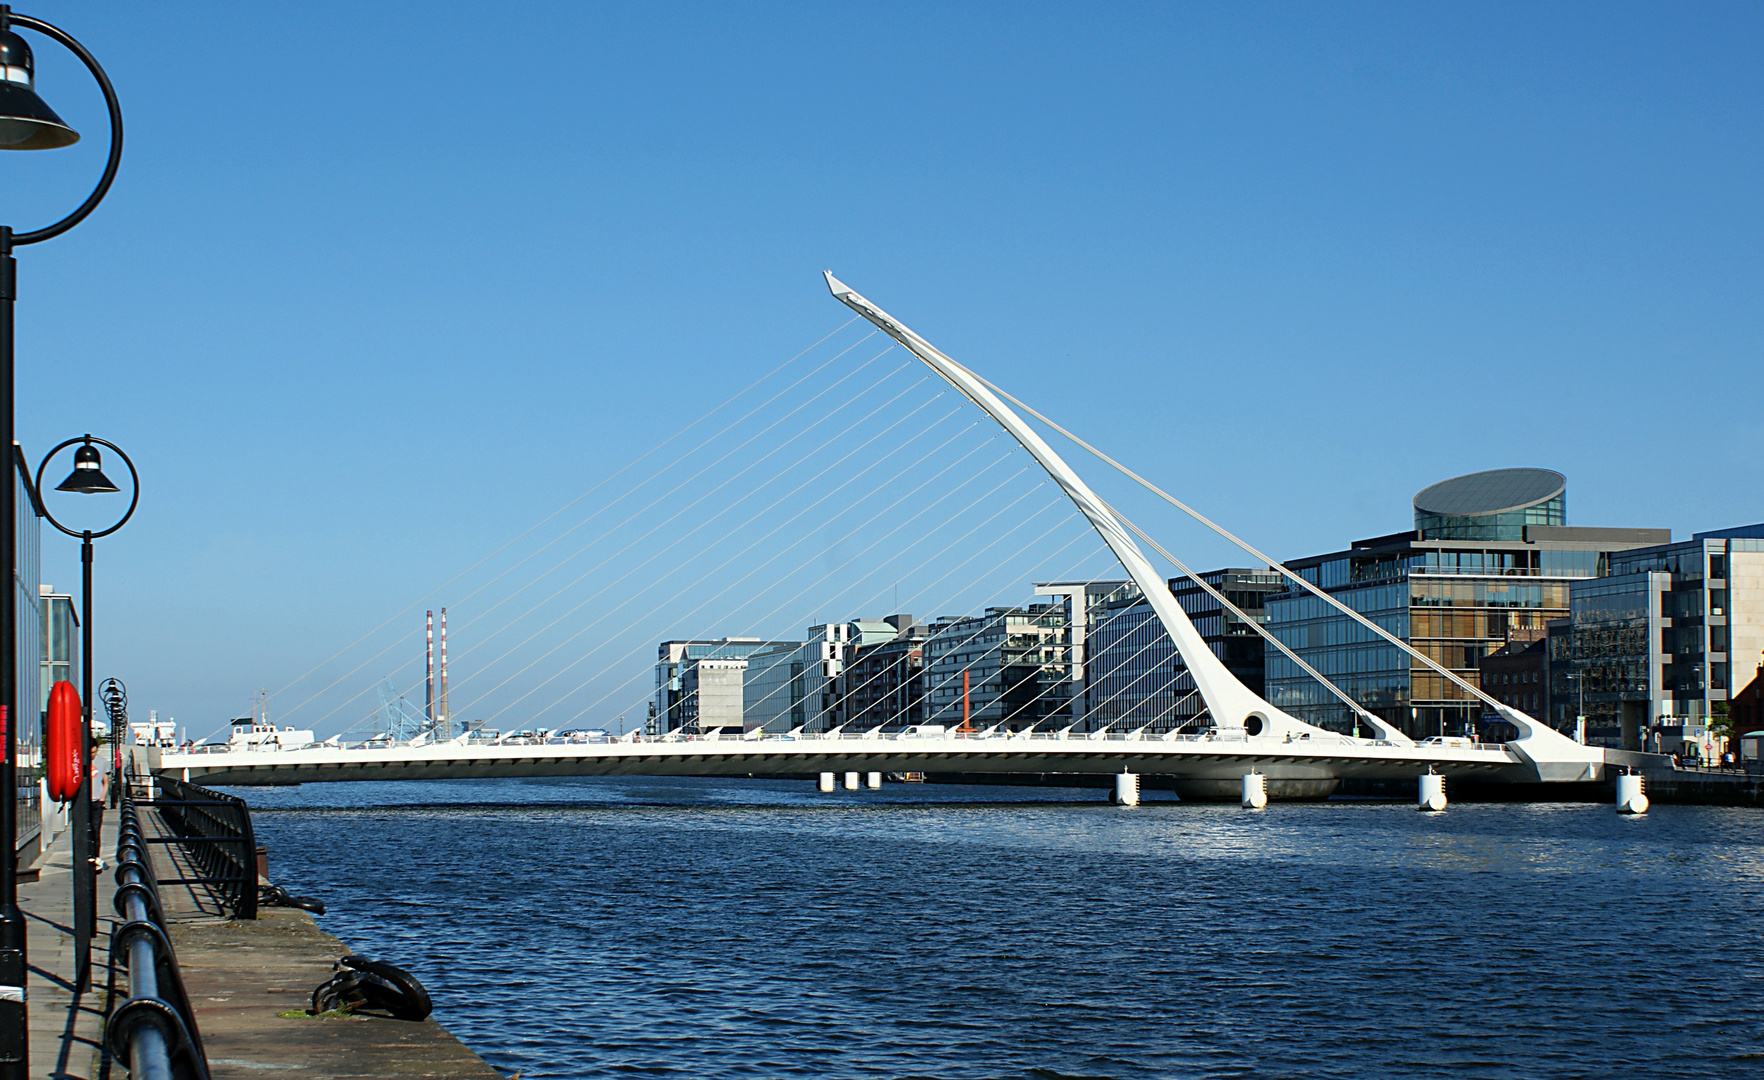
{"x":991,"y":735}
{"x":153,"y":1031}
{"x":988,"y":735}
{"x":214,"y":829}
{"x":1737,"y":768}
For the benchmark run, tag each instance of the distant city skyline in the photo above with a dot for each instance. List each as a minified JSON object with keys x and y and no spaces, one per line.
{"x":1321,"y":258}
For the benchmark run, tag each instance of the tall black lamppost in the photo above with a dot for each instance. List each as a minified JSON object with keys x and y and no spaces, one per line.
{"x":26,"y":123}
{"x":87,"y":478}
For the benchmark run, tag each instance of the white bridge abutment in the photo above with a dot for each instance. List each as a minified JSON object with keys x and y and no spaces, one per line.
{"x":826,"y":784}
{"x":851,"y":781}
{"x":1126,"y":789}
{"x":873,"y":781}
{"x":1255,"y":791}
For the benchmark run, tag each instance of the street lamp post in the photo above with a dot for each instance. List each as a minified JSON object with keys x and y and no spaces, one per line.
{"x":87,"y":478}
{"x":1579,"y":678}
{"x":116,"y":710}
{"x":26,"y":123}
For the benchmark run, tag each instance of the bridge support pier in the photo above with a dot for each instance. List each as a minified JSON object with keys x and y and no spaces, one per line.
{"x":1255,"y":791}
{"x":873,"y":781}
{"x":826,"y":784}
{"x":1126,"y":790}
{"x":1431,"y":793}
{"x":851,"y":781}
{"x":1631,"y":798}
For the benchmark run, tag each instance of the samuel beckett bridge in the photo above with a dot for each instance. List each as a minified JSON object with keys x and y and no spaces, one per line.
{"x":1233,"y":742}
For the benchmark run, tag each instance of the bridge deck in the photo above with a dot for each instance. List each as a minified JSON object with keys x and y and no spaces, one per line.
{"x":782,"y":756}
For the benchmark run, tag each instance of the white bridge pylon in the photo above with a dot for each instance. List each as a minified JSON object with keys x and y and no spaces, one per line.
{"x":1237,"y":711}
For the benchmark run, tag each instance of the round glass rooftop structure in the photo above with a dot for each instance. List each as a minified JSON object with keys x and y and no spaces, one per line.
{"x":1492,"y":505}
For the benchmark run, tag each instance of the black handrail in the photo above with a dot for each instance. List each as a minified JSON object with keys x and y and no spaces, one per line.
{"x":153,"y":1032}
{"x":215,"y":829}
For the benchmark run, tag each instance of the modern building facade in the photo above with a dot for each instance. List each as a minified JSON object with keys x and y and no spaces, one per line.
{"x":61,"y":641}
{"x":1233,"y":638}
{"x":1516,"y":674}
{"x":1131,"y":668}
{"x":1022,"y":667}
{"x":867,"y":672}
{"x":712,"y":698}
{"x":676,"y":705}
{"x":1136,"y":676}
{"x":27,"y":660}
{"x":1654,"y":646}
{"x":883,"y":685}
{"x":771,"y":688}
{"x":1490,"y":560}
{"x":1008,"y":666}
{"x":1615,"y":659}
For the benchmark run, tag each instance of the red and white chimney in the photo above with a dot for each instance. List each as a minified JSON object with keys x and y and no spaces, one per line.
{"x":429,"y":655}
{"x":444,"y":716}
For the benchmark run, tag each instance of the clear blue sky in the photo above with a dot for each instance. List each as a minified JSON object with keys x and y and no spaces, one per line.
{"x":382,"y":285}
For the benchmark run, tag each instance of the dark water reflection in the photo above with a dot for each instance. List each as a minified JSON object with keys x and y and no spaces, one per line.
{"x":757,"y":929}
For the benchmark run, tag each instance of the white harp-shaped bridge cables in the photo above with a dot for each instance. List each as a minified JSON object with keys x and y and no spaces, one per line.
{"x":1237,"y":711}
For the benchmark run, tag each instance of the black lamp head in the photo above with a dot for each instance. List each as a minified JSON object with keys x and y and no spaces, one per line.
{"x":87,"y":478}
{"x":26,"y":121}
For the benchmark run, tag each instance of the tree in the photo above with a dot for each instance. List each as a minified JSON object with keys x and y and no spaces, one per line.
{"x":1721,"y":721}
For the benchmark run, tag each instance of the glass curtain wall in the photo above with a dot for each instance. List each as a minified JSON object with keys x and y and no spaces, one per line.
{"x":27,"y":661}
{"x":772,"y":690}
{"x":1455,"y":623}
{"x":1453,"y":606}
{"x":1509,"y":525}
{"x":1372,"y":671}
{"x":1130,"y":674}
{"x":1615,"y":639}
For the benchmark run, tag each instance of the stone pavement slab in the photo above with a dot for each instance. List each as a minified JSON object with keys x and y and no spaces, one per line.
{"x":249,"y":981}
{"x":65,"y":1026}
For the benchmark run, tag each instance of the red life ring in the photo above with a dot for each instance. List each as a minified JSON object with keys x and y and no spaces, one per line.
{"x":61,"y":742}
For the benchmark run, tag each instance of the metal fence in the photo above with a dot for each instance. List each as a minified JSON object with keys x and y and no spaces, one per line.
{"x":153,"y":1030}
{"x":214,"y":829}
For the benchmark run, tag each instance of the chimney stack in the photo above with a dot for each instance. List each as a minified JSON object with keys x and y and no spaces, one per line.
{"x":446,"y":716}
{"x":429,"y":655}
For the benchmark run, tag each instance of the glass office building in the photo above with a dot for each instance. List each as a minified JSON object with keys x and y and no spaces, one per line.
{"x":772,"y":690}
{"x":1493,"y":505}
{"x":883,"y":685}
{"x":27,"y":660}
{"x":1135,"y":676}
{"x":1657,"y":644}
{"x":1372,"y":671}
{"x":1491,"y":560}
{"x":1615,"y":650}
{"x":1131,"y":667}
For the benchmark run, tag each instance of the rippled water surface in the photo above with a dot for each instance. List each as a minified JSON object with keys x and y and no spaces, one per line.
{"x":719,"y":928}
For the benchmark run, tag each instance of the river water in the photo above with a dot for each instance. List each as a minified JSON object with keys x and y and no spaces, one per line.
{"x":743,"y":928}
